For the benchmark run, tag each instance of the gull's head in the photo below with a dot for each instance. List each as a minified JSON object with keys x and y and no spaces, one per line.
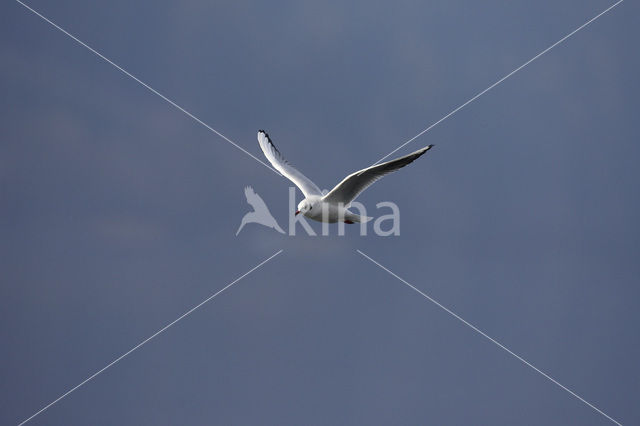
{"x":304,"y":206}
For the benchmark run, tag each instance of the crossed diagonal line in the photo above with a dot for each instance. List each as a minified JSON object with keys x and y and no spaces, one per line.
{"x":145,"y":341}
{"x":189,"y":114}
{"x":500,"y":81}
{"x":483,"y":334}
{"x":145,"y":85}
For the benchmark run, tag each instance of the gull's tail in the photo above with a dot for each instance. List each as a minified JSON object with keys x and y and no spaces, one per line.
{"x":353,"y":218}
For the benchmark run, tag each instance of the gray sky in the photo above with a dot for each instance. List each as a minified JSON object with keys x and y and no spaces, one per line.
{"x":118,"y":213}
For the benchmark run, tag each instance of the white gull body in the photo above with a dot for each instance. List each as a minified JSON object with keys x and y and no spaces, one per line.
{"x":333,"y":206}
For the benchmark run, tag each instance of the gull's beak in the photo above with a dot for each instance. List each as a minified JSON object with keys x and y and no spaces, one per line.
{"x":297,"y":212}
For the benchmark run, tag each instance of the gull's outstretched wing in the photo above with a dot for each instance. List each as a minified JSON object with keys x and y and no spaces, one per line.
{"x":351,"y":186}
{"x":277,"y":160}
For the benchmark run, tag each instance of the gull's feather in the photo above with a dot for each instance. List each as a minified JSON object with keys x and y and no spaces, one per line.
{"x":280,"y":164}
{"x":351,"y":186}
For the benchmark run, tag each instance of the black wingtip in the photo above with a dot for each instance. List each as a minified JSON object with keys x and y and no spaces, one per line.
{"x":266,"y":134}
{"x":425,"y":149}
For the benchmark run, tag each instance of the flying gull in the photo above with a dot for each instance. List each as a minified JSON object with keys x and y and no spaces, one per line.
{"x":332,"y":206}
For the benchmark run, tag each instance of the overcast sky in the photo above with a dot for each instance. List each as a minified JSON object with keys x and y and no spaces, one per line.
{"x":118,"y":213}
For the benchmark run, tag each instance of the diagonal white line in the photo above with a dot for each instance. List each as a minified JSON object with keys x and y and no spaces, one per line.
{"x":163,"y":329}
{"x":500,"y":81}
{"x":482,"y":333}
{"x":145,"y":85}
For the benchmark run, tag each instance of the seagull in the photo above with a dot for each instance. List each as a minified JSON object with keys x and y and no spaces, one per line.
{"x":332,"y":206}
{"x":260,"y":213}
